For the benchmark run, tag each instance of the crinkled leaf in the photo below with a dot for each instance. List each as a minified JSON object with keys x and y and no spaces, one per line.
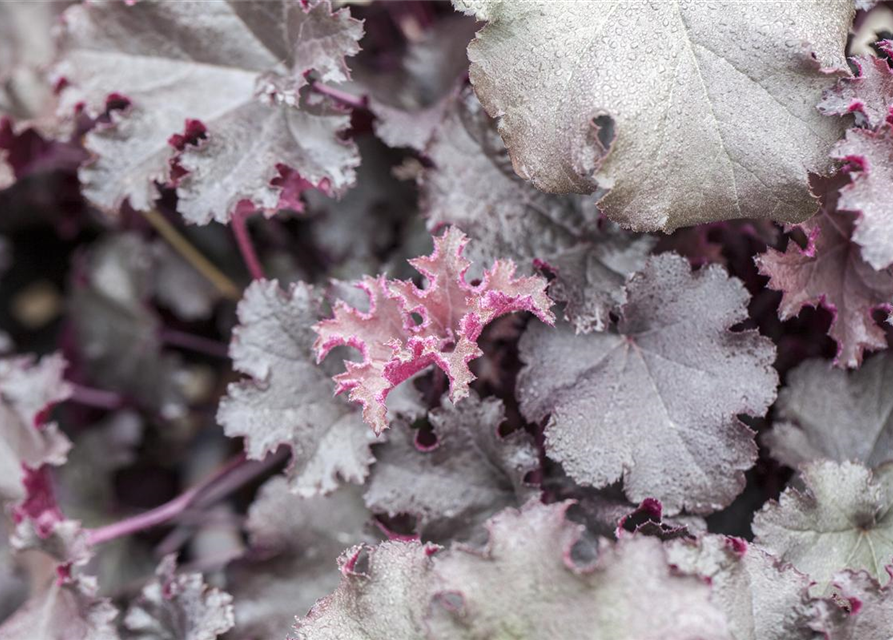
{"x":410,"y":102}
{"x":295,"y":544}
{"x":869,"y":155}
{"x":178,"y":607}
{"x":869,"y":95}
{"x":843,"y":520}
{"x":289,"y":401}
{"x":655,"y":402}
{"x":227,"y":81}
{"x":470,"y":473}
{"x":835,"y":415}
{"x":525,"y":586}
{"x":65,"y":610}
{"x":859,"y":608}
{"x":449,"y":315}
{"x":687,"y":112}
{"x":28,"y":390}
{"x":832,"y":271}
{"x":383,"y":595}
{"x":762,"y":598}
{"x":117,"y":333}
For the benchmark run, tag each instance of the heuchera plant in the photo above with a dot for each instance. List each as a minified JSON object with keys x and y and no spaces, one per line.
{"x":416,"y":320}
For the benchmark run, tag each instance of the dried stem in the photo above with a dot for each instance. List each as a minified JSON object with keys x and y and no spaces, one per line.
{"x":246,"y":247}
{"x":189,"y":253}
{"x":228,"y":478}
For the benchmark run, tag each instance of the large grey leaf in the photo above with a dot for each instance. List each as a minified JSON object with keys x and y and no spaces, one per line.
{"x":833,"y":414}
{"x":238,"y":67}
{"x":686,"y":111}
{"x":289,"y":401}
{"x":762,"y":598}
{"x":525,"y":586}
{"x":844,"y":520}
{"x":470,"y":474}
{"x":295,"y":544}
{"x":655,"y":402}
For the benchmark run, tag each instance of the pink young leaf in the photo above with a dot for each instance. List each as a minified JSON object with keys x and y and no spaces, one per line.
{"x":408,"y":329}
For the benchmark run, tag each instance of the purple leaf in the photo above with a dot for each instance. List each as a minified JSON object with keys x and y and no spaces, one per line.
{"x":655,"y":402}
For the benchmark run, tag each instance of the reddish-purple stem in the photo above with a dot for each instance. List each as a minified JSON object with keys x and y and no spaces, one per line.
{"x":195,"y":343}
{"x":168,"y":510}
{"x":246,"y":247}
{"x":341,"y":97}
{"x":178,"y":537}
{"x":97,"y":398}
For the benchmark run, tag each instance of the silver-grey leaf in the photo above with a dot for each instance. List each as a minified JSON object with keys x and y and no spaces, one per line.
{"x":687,"y":112}
{"x":238,"y":67}
{"x":655,"y":402}
{"x":843,"y":520}
{"x":289,"y":401}
{"x":835,"y":414}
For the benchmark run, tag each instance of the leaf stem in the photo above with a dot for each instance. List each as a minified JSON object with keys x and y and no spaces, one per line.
{"x":98,"y":398}
{"x":199,"y":262}
{"x":246,"y":247}
{"x":341,"y":97}
{"x":192,"y":342}
{"x":239,"y":467}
